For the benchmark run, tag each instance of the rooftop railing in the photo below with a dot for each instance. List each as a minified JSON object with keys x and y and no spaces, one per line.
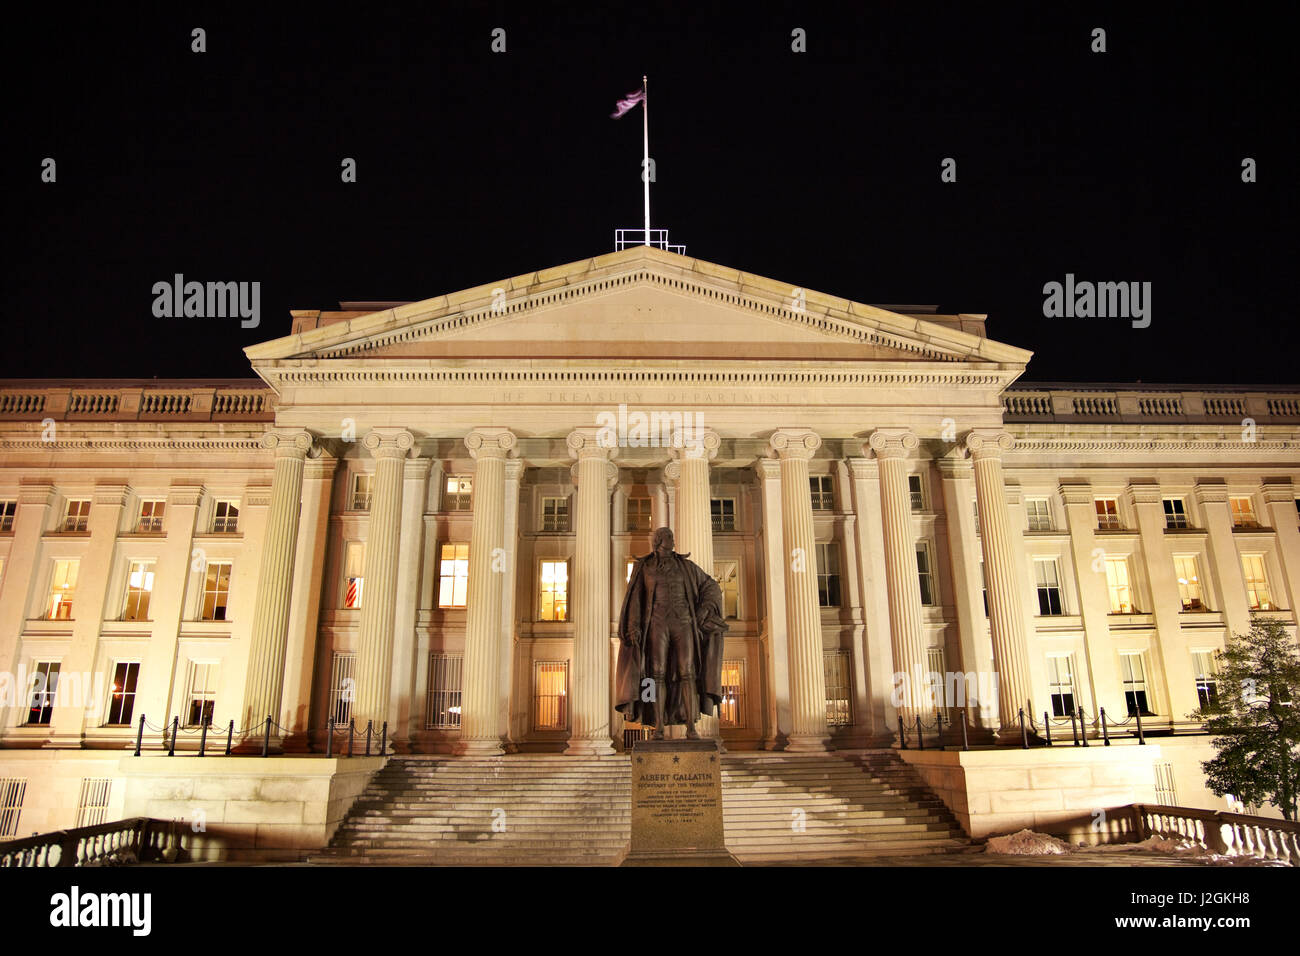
{"x":180,"y":402}
{"x":1149,"y":405}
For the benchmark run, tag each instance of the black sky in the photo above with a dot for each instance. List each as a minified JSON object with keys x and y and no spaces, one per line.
{"x":820,"y":169}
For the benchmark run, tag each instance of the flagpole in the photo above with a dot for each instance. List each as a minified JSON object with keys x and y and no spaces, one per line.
{"x":645,"y":160}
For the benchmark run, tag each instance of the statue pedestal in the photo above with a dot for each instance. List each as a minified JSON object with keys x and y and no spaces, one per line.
{"x":677,"y":805}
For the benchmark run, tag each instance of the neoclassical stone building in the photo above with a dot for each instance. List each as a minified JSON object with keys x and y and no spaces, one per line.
{"x":422,"y":516}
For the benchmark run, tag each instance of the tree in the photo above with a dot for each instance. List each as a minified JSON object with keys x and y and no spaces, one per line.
{"x":1255,"y":720}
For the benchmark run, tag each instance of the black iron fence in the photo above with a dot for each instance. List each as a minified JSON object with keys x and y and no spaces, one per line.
{"x":255,"y":739}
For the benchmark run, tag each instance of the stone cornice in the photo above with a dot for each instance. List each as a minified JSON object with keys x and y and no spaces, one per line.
{"x":1278,"y":490}
{"x":767,"y":469}
{"x":1076,"y":492}
{"x":1110,"y":443}
{"x":1144,"y":492}
{"x":1211,"y":491}
{"x":257,"y":496}
{"x":184,"y":491}
{"x":35,"y":491}
{"x":861,"y":469}
{"x":797,"y":443}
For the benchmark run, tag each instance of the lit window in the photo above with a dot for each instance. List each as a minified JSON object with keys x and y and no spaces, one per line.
{"x":121,"y":705}
{"x":555,"y":514}
{"x":638,"y":514}
{"x":550,"y":695}
{"x":151,"y":517}
{"x":1133,"y":672}
{"x":139,"y":589}
{"x":7,"y":510}
{"x":731,"y":712}
{"x":45,"y":684}
{"x":1060,"y":684}
{"x":554,"y":604}
{"x":77,"y":515}
{"x":915,"y":492}
{"x":1048,"y":582}
{"x":1207,"y":681}
{"x":724,"y":513}
{"x":216,"y":591}
{"x":443,"y":712}
{"x":453,"y":575}
{"x":1175,"y":513}
{"x":1107,"y":514}
{"x":1120,"y":586}
{"x":828,"y":574}
{"x":1243,"y":512}
{"x":361,"y":489}
{"x":727,"y":576}
{"x":63,"y":588}
{"x":1187,"y":570}
{"x":201,"y":699}
{"x":925,"y":573}
{"x":225,"y":517}
{"x":354,"y":569}
{"x":1258,"y":594}
{"x":1040,"y":514}
{"x":460,"y":493}
{"x":839,"y":710}
{"x":823,"y":498}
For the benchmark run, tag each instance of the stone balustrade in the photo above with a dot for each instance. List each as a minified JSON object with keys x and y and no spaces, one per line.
{"x":138,"y":839}
{"x":1145,"y":404}
{"x":180,"y":401}
{"x":1231,"y":834}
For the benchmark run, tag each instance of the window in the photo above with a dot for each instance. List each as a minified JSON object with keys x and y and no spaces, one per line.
{"x":460,"y":493}
{"x":555,"y":514}
{"x":443,"y":706}
{"x":45,"y":684}
{"x":1175,"y":513}
{"x":731,"y":712}
{"x":12,"y":790}
{"x":823,"y":498}
{"x":8,"y":508}
{"x":225,"y":517}
{"x":342,"y":687}
{"x":121,"y":705}
{"x":1060,"y":684}
{"x":936,"y":661}
{"x":361,"y":490}
{"x":453,"y":574}
{"x":723,"y":511}
{"x":916,"y":492}
{"x":1048,"y":582}
{"x":216,"y":591}
{"x":1040,"y":514}
{"x":839,"y":710}
{"x":92,"y":806}
{"x":1188,"y":572}
{"x":63,"y":588}
{"x":1166,"y":791}
{"x":925,"y":573}
{"x":1107,"y":514}
{"x":77,"y":514}
{"x":550,"y":695}
{"x":1243,"y":512}
{"x":1207,"y":681}
{"x":828,"y":574}
{"x":201,"y":698}
{"x":354,"y":569}
{"x":151,"y":517}
{"x":984,"y":587}
{"x":726,"y":573}
{"x":1133,"y":672}
{"x":638,"y":514}
{"x":1258,"y":594}
{"x":975,"y":513}
{"x":139,"y":589}
{"x":554,"y":603}
{"x":1121,"y":589}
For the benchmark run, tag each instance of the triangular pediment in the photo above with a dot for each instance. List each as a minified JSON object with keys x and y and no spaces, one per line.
{"x":635,"y":305}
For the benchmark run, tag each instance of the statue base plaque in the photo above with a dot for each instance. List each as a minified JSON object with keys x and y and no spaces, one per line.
{"x":677,"y":805}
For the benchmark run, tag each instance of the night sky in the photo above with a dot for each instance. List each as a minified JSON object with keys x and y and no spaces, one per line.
{"x":820,"y":169}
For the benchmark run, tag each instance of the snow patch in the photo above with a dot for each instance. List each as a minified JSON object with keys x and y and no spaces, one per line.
{"x":1028,"y":843}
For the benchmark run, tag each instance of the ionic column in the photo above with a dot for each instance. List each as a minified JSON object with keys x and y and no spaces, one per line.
{"x":688,"y":472}
{"x":902,"y":584}
{"x":794,"y":446}
{"x":1006,"y":610}
{"x":595,"y":476}
{"x":506,"y":653}
{"x":264,"y":682}
{"x":374,"y":665}
{"x":480,"y":730}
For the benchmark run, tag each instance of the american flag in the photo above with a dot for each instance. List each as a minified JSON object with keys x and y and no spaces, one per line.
{"x":354,"y":592}
{"x":627,"y":103}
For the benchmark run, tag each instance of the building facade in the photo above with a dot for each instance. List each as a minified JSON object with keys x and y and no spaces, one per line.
{"x":421,"y":517}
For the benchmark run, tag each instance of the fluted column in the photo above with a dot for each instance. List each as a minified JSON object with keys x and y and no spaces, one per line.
{"x":907,"y":638}
{"x":689,"y":474}
{"x":1006,"y":610}
{"x":374,"y":665}
{"x":794,"y":446}
{"x":264,"y":683}
{"x":480,"y":730}
{"x":595,"y":476}
{"x":514,"y":470}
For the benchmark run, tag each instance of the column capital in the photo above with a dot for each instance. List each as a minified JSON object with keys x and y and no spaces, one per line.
{"x":1076,"y":492}
{"x":587,"y":442}
{"x":795,"y":443}
{"x":416,"y":467}
{"x":988,"y":443}
{"x":490,"y":443}
{"x":388,"y":442}
{"x":288,"y":444}
{"x":1143,"y":491}
{"x":111,"y":493}
{"x":611,"y":471}
{"x":695,"y":442}
{"x":892,"y":442}
{"x":863,"y":468}
{"x":1211,"y":491}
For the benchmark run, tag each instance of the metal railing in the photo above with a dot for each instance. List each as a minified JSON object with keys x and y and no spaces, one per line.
{"x":258,"y":736}
{"x":135,"y":840}
{"x":625,"y":238}
{"x":1229,"y":834}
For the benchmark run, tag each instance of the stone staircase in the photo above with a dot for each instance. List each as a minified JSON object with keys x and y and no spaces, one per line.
{"x":545,"y":810}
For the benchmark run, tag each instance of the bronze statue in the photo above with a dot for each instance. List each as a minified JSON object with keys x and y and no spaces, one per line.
{"x":671,"y":628}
